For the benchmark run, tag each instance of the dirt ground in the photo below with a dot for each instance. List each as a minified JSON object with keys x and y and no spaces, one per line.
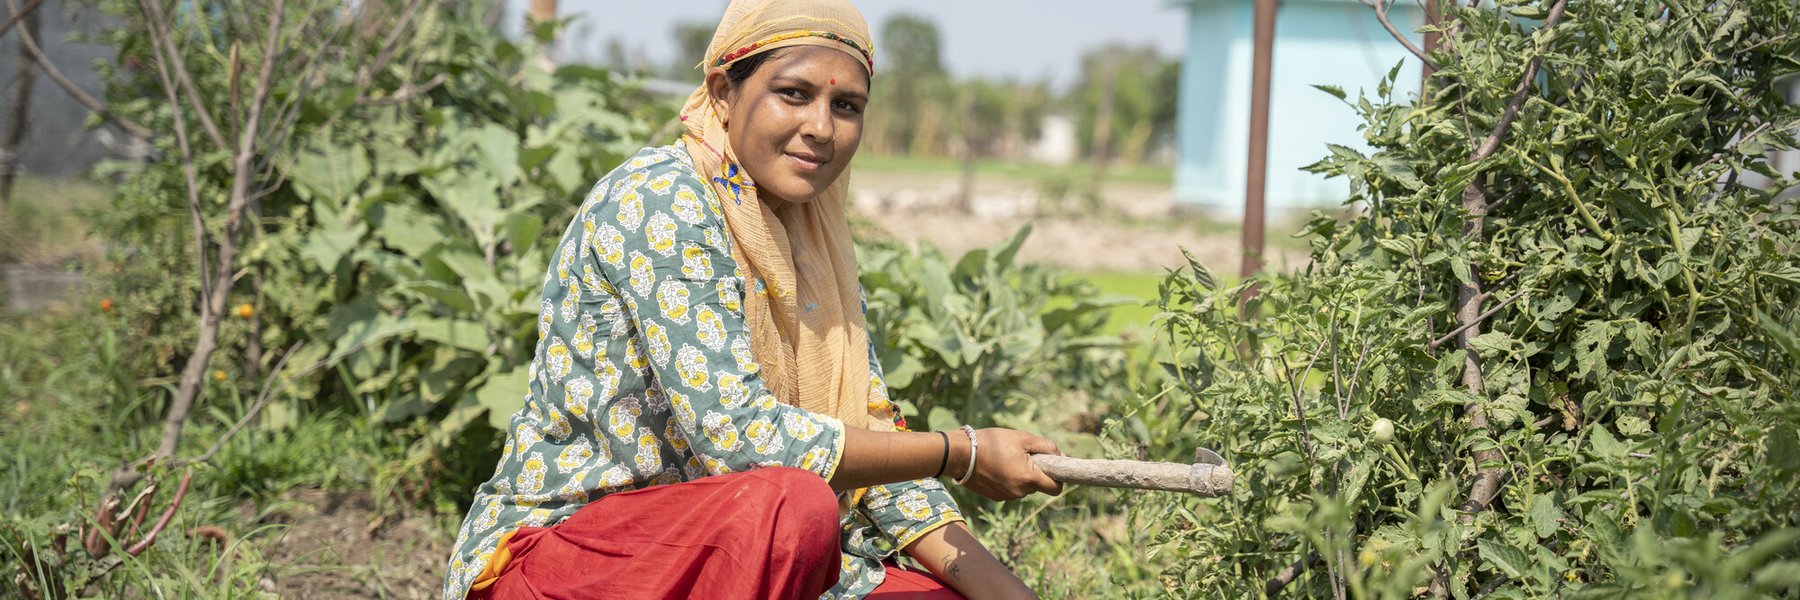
{"x":1084,"y":244}
{"x":329,"y":546}
{"x":1137,"y":228}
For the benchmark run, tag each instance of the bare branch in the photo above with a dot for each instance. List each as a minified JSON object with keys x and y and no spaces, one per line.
{"x":242,"y":172}
{"x":158,"y":24}
{"x":367,"y":74}
{"x":1469,"y":297}
{"x":163,"y":522}
{"x":188,"y":169}
{"x":1381,"y":14}
{"x":1520,"y":92}
{"x":406,"y":92}
{"x":1289,"y":574}
{"x":1478,"y":319}
{"x":62,"y":81}
{"x":17,"y":15}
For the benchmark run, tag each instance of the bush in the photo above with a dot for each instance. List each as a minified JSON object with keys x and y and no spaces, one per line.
{"x":1613,"y":415}
{"x":395,"y":259}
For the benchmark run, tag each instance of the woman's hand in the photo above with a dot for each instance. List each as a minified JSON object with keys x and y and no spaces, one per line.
{"x":1003,"y":467}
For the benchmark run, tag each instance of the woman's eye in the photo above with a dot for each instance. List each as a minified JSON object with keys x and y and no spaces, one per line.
{"x":846,"y":107}
{"x":792,"y":93}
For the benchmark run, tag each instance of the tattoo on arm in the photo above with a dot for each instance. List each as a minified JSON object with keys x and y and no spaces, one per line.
{"x":952,"y":568}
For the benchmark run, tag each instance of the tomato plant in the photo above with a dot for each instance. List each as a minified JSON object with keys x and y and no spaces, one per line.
{"x":1570,"y":283}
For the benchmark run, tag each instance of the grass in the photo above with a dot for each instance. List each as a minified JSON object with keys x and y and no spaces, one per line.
{"x":1141,"y":287}
{"x":76,"y":410}
{"x":44,"y":226}
{"x":943,"y":165}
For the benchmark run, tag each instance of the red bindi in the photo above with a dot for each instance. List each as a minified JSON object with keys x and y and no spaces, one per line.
{"x":834,"y":81}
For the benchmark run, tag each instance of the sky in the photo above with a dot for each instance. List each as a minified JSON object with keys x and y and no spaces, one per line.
{"x":1019,"y":39}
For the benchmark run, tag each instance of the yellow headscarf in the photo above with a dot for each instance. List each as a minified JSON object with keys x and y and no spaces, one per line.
{"x":802,"y":301}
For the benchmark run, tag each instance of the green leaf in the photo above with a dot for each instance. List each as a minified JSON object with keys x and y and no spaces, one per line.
{"x":456,"y":333}
{"x":1604,"y":445}
{"x":942,"y":419}
{"x":1493,"y":344}
{"x":1459,"y":265}
{"x":1545,"y":516}
{"x":407,"y":229}
{"x":368,"y":333}
{"x":333,"y":238}
{"x":1335,"y":91}
{"x":1755,"y":554}
{"x":472,"y":196}
{"x":1004,"y":252}
{"x":327,"y":171}
{"x":499,"y":151}
{"x":1396,"y":246}
{"x":1782,"y":447}
{"x":1778,"y":575}
{"x":522,"y":230}
{"x":902,"y":373}
{"x":503,"y":395}
{"x":1510,"y":560}
{"x":1781,"y":335}
{"x":1591,"y":346}
{"x":1632,"y":426}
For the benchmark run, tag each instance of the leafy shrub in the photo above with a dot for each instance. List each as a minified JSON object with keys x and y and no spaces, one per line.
{"x":985,"y":340}
{"x":1617,"y":421}
{"x":401,"y":249}
{"x":990,"y":341}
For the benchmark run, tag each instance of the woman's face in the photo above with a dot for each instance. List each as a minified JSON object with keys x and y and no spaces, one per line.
{"x":796,"y":122}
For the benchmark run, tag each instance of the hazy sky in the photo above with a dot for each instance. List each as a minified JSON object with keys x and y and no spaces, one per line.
{"x":1023,"y":39}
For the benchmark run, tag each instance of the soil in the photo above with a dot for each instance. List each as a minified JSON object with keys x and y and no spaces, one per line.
{"x":1084,"y":244}
{"x":1135,"y":227}
{"x":334,"y":545}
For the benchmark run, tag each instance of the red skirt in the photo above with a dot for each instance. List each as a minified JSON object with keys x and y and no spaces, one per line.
{"x":764,"y":534}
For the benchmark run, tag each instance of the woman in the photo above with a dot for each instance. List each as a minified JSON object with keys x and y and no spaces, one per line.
{"x":706,"y":415}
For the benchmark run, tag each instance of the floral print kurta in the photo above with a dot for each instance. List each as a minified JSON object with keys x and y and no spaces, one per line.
{"x":643,"y":376}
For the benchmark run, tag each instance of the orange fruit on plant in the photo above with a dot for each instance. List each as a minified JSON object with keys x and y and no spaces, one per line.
{"x":219,"y":375}
{"x":245,"y":311}
{"x":106,"y":305}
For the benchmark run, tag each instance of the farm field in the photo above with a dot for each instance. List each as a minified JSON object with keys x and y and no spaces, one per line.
{"x":1548,"y":345}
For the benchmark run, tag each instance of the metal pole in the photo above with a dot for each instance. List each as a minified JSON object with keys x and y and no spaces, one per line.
{"x":1256,"y":178}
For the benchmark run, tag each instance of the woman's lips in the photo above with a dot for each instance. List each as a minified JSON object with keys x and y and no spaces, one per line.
{"x":807,"y":162}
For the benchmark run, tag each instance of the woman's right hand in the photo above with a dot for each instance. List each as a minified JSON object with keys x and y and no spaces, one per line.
{"x":1003,"y":467}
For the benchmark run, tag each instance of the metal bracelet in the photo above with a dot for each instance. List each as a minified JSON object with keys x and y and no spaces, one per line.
{"x":972,"y":447}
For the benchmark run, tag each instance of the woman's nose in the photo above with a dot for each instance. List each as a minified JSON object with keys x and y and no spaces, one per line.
{"x":819,"y":126}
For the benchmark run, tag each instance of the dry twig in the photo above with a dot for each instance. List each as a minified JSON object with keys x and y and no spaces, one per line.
{"x":17,"y":15}
{"x":43,"y":63}
{"x":243,"y":153}
{"x":1381,"y":14}
{"x":1477,"y":321}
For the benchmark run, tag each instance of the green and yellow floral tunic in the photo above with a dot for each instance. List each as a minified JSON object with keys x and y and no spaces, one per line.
{"x":643,"y":376}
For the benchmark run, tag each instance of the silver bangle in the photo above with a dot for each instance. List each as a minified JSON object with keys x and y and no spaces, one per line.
{"x":972,"y":447}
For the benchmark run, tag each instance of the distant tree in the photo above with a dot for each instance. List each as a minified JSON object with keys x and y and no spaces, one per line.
{"x":614,"y":57}
{"x":1125,"y":101}
{"x":910,"y":89}
{"x":911,"y":47}
{"x":691,"y":40}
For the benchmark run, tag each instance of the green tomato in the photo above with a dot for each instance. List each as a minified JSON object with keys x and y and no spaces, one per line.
{"x":1383,"y":431}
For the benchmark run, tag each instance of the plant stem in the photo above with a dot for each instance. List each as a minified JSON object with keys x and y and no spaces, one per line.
{"x":1581,"y":208}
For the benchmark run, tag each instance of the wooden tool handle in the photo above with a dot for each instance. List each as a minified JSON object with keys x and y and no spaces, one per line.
{"x":1200,"y":479}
